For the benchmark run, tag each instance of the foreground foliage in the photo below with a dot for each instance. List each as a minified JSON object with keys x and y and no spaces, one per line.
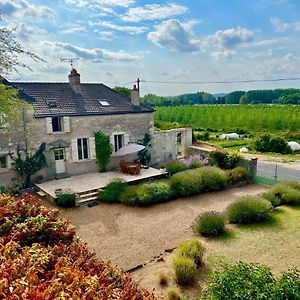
{"x":42,"y":259}
{"x":243,"y":281}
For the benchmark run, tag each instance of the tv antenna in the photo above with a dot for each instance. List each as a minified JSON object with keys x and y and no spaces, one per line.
{"x":69,"y":60}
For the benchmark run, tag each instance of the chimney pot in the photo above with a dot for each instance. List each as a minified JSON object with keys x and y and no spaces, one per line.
{"x":74,"y":81}
{"x":135,"y":96}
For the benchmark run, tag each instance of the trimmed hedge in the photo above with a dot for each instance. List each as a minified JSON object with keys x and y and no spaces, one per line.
{"x":249,"y":210}
{"x":175,"y":167}
{"x":112,"y":191}
{"x":146,"y":194}
{"x":192,"y":182}
{"x":210,"y":224}
{"x":66,"y":200}
{"x":237,"y":175}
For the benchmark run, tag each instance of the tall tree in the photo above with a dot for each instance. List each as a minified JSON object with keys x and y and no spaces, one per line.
{"x":123,"y":90}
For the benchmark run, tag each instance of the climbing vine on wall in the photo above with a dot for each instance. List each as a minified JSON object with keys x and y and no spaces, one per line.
{"x":103,"y":150}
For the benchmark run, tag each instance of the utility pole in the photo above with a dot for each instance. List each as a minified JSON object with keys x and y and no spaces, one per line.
{"x":138,"y":84}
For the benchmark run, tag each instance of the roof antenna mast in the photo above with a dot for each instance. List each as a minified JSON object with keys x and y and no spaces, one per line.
{"x":69,"y":60}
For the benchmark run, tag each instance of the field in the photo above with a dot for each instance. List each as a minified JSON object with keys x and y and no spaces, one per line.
{"x":230,"y":117}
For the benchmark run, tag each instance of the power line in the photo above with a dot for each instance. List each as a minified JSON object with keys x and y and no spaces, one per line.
{"x":221,"y":82}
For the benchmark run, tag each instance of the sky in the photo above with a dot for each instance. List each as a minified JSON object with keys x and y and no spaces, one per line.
{"x":179,"y":41}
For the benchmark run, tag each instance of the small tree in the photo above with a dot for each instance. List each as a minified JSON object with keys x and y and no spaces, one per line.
{"x":244,"y":100}
{"x":144,"y":155}
{"x":123,"y":91}
{"x":27,"y":164}
{"x":103,"y":150}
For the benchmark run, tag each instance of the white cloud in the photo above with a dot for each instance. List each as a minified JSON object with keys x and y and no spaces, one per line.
{"x":100,"y":3}
{"x":229,"y":38}
{"x":281,"y":26}
{"x":253,"y":54}
{"x":94,"y":54}
{"x":153,"y":12}
{"x":223,"y":54}
{"x":74,"y":29}
{"x":175,"y":36}
{"x":128,"y":29}
{"x":22,"y":9}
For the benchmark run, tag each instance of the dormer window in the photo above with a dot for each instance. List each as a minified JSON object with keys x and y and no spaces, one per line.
{"x":104,"y":102}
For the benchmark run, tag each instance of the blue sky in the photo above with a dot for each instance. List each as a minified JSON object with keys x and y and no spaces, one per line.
{"x":117,"y":41}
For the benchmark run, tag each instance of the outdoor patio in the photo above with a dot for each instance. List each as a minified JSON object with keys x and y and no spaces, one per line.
{"x":86,"y":184}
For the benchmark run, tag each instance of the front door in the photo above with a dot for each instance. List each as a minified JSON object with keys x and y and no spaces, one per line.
{"x":60,"y":164}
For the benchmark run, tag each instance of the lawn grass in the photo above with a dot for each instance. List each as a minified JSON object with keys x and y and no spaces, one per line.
{"x":275,"y":243}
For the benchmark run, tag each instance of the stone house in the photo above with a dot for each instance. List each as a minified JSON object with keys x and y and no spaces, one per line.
{"x":65,"y":117}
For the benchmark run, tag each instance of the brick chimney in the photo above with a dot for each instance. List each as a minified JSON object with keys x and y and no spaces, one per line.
{"x":135,"y":96}
{"x":74,"y":81}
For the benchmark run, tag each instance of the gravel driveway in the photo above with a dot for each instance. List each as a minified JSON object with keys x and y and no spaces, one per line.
{"x":130,"y":236}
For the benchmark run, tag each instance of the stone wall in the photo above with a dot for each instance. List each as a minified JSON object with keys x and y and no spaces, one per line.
{"x":166,"y":147}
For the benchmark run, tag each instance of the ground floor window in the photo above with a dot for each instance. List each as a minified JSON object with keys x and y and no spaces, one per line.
{"x":3,"y":161}
{"x":83,"y":148}
{"x":119,"y":141}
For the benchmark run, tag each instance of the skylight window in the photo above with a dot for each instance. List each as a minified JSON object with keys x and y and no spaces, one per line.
{"x":104,"y":102}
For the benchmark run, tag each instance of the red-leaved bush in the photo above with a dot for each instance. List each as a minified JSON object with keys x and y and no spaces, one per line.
{"x":41,"y":258}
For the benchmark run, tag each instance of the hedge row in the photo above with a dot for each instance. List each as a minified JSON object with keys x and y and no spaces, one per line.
{"x":42,"y":258}
{"x":182,"y":184}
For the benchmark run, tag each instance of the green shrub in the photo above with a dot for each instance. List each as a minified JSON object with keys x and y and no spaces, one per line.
{"x":269,"y":143}
{"x":288,"y":285}
{"x":283,"y":194}
{"x":173,"y":295}
{"x":146,"y":194}
{"x":242,"y":282}
{"x":129,"y":196}
{"x":159,"y":191}
{"x":112,"y":191}
{"x":292,"y":184}
{"x":192,"y":249}
{"x":196,"y":164}
{"x":210,"y":224}
{"x":212,"y":178}
{"x":249,"y":210}
{"x":187,"y":183}
{"x":185,"y":270}
{"x":223,"y":159}
{"x":175,"y":167}
{"x":66,"y":199}
{"x":237,"y":175}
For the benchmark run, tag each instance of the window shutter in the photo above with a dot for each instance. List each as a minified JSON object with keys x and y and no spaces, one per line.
{"x":66,"y":124}
{"x":112,"y":141}
{"x":49,"y":125}
{"x":92,"y":148}
{"x":126,"y":138}
{"x":74,"y":150}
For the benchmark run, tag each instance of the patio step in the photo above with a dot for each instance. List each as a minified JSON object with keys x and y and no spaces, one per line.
{"x":86,"y":200}
{"x":88,"y":196}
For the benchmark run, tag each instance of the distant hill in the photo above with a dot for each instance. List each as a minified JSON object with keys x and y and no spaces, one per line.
{"x":220,"y":95}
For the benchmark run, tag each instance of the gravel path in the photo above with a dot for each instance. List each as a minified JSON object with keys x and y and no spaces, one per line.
{"x":130,"y":236}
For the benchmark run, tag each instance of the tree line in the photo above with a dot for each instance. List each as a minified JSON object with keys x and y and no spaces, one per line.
{"x":277,"y":96}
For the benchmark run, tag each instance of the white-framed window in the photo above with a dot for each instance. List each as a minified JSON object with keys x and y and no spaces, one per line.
{"x":118,"y":141}
{"x":57,"y":124}
{"x":3,"y":162}
{"x":83,"y":148}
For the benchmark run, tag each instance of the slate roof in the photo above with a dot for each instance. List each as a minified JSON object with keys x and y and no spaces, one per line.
{"x":55,"y":99}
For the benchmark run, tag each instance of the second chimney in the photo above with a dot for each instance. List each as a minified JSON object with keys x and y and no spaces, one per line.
{"x":74,"y":81}
{"x":135,"y":96}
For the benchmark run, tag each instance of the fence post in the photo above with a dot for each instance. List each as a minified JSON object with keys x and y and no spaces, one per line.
{"x":276,"y":172}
